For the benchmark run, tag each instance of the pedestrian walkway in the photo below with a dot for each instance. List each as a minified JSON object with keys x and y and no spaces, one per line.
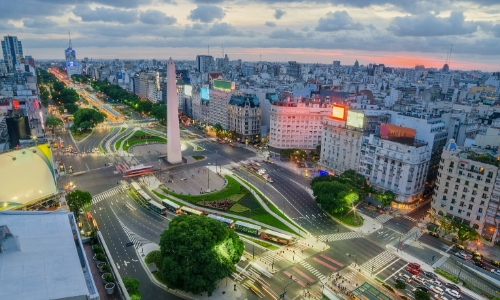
{"x":122,"y":167}
{"x":271,"y":258}
{"x":339,"y":236}
{"x":415,"y":233}
{"x":383,"y":218}
{"x":312,"y":270}
{"x":104,"y":195}
{"x":378,"y":261}
{"x":410,"y":218}
{"x":134,"y":238}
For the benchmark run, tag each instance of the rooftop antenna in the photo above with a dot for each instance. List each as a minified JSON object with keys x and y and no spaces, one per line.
{"x":208,"y":49}
{"x":69,"y":36}
{"x":448,"y":57}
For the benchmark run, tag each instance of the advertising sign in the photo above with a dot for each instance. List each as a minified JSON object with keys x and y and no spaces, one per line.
{"x":120,"y":75}
{"x":338,"y":112}
{"x":355,"y":119}
{"x":188,"y":90}
{"x":398,"y":134}
{"x":205,"y":93}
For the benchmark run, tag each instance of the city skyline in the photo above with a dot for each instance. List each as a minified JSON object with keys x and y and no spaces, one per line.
{"x":396,"y":34}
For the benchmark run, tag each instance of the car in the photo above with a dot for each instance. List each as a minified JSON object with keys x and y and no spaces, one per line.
{"x":480,"y":264}
{"x":437,"y":290}
{"x":495,"y":271}
{"x":453,"y":287}
{"x":270,"y":180}
{"x":478,"y":258}
{"x":414,"y":266}
{"x":495,"y":263}
{"x":423,"y":288}
{"x":460,"y":247}
{"x":413,"y":271}
{"x":418,"y":279}
{"x":397,"y":279}
{"x":434,"y":234}
{"x":406,"y":278}
{"x":453,"y":293}
{"x":430,"y":275}
{"x":129,"y":244}
{"x":462,"y":256}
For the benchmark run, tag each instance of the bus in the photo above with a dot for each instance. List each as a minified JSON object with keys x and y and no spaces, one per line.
{"x":144,"y":196}
{"x":227,"y":222}
{"x":171,"y":206}
{"x":277,"y":237}
{"x":157,"y":208}
{"x":137,"y":171}
{"x":135,"y":186}
{"x":248,"y":228}
{"x":191,"y":211}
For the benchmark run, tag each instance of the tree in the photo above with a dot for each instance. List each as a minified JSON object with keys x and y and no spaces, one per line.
{"x":400,"y":285}
{"x":466,"y":233}
{"x":218,"y":129}
{"x":197,"y":252}
{"x":132,"y":286}
{"x":159,"y":112}
{"x":53,"y":122}
{"x":386,"y":197}
{"x":78,"y":200}
{"x":144,"y":106}
{"x":87,"y":118}
{"x":71,"y":107}
{"x":446,"y":224}
{"x":421,"y":295}
{"x":332,"y":196}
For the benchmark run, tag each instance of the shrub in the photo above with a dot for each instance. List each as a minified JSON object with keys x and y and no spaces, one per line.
{"x":106,"y":268}
{"x":100,"y":257}
{"x":446,"y":275}
{"x":388,"y":287}
{"x":400,"y":285}
{"x":108,"y":278}
{"x":97,"y":249}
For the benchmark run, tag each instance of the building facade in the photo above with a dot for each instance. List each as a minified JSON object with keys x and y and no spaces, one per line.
{"x":465,"y":184}
{"x":244,"y":117}
{"x":72,"y":66}
{"x":12,"y":52}
{"x":218,"y":105}
{"x":204,"y":63}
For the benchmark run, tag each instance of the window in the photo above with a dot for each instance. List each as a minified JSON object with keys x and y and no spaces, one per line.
{"x":474,"y":192}
{"x":451,"y":208}
{"x":459,"y":211}
{"x":465,"y":190}
{"x":482,"y":203}
{"x":468,"y":214}
{"x":458,"y":180}
{"x":486,"y":188}
{"x":475,"y":185}
{"x":456,"y":186}
{"x":472,"y":199}
{"x":488,"y":180}
{"x":445,"y":190}
{"x":447,"y":184}
{"x":484,"y":196}
{"x":478,"y":218}
{"x":462,"y":204}
{"x":490,"y":174}
{"x":452,"y":201}
{"x":470,"y":206}
{"x":466,"y":182}
{"x":452,"y":164}
{"x":480,"y":210}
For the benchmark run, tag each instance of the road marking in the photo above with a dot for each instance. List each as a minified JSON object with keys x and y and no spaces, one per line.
{"x":324,"y":264}
{"x":332,"y":260}
{"x":303,"y":274}
{"x":395,"y":273}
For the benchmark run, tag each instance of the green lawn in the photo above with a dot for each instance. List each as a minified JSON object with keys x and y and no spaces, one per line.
{"x":119,"y":142}
{"x":255,"y":211}
{"x":262,"y":243}
{"x":141,"y":137}
{"x":198,"y":148}
{"x":122,"y":130}
{"x":350,"y":218}
{"x":78,"y":136}
{"x":100,"y":149}
{"x":198,"y":157}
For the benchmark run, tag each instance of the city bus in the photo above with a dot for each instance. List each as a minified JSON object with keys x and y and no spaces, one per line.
{"x":227,"y":222}
{"x":171,"y":206}
{"x":135,"y":186}
{"x":137,"y":171}
{"x":191,"y":211}
{"x":277,"y":237}
{"x":157,"y":208}
{"x":144,"y":196}
{"x":248,"y":228}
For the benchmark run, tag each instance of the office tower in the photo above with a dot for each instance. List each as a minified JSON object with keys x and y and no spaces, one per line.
{"x":12,"y":52}
{"x":336,"y":64}
{"x":204,"y":63}
{"x":293,"y":69}
{"x":72,"y":66}
{"x":174,"y":155}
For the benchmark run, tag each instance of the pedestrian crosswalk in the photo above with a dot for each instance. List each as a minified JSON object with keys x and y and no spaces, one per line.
{"x":410,"y":218}
{"x":134,"y":238}
{"x":270,"y":258}
{"x":339,"y":236}
{"x":312,"y":270}
{"x":383,"y":218}
{"x":122,"y":167}
{"x":104,"y":195}
{"x":415,"y":233}
{"x":378,"y":261}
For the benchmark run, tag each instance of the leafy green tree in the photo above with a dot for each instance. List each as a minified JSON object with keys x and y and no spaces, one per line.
{"x":421,"y":295}
{"x":197,"y":252}
{"x":71,"y":107}
{"x":53,"y":122}
{"x":78,"y":200}
{"x":132,"y":286}
{"x":386,"y":197}
{"x":332,"y":196}
{"x":159,"y":112}
{"x":400,"y":285}
{"x":466,"y":233}
{"x":446,"y":225}
{"x":218,"y":129}
{"x":144,"y":106}
{"x":87,"y":118}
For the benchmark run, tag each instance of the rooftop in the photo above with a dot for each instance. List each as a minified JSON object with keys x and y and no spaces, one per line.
{"x":246,"y":99}
{"x":45,"y":263}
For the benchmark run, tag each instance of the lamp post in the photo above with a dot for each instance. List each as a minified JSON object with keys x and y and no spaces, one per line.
{"x":282,"y":296}
{"x":208,"y":172}
{"x":159,"y":166}
{"x":216,"y":161}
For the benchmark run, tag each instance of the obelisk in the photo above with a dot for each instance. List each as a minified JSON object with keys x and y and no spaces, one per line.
{"x":174,"y":155}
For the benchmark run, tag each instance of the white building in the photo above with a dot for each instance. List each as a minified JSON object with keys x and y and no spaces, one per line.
{"x":465,"y":184}
{"x":297,"y":125}
{"x":217,"y":106}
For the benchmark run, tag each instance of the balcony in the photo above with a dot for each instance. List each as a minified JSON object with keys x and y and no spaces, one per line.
{"x":479,"y":213}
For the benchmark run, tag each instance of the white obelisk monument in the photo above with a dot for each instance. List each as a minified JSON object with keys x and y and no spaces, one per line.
{"x":174,"y":155}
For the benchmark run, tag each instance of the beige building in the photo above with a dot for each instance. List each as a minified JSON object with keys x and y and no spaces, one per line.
{"x":466,"y":180}
{"x":340,"y":146}
{"x":244,"y":117}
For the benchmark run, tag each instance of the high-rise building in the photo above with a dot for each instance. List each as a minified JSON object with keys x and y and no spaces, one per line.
{"x":336,"y":64}
{"x":204,"y":63}
{"x":72,"y":66}
{"x":12,"y":52}
{"x":293,"y":69}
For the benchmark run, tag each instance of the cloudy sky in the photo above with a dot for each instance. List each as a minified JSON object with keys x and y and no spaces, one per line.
{"x":394,"y":32}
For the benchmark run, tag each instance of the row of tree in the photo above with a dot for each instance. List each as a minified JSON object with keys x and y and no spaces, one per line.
{"x":463,"y":231}
{"x":86,"y":119}
{"x":221,"y":133}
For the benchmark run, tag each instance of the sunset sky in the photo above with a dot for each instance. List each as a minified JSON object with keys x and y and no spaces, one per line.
{"x":394,"y":32}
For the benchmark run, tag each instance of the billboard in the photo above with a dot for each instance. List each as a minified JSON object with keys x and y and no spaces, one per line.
{"x":120,"y":75}
{"x":398,"y":134}
{"x":188,"y":90}
{"x":355,"y":119}
{"x":223,"y":85}
{"x":205,"y":94}
{"x":338,"y":112}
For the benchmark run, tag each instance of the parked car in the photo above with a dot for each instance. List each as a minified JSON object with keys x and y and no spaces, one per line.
{"x":129,"y":244}
{"x":480,"y":264}
{"x":413,"y":271}
{"x":453,"y":293}
{"x":440,"y":297}
{"x":460,"y":247}
{"x":414,"y":266}
{"x":462,"y":256}
{"x":435,"y":282}
{"x":422,"y":288}
{"x":430,"y":275}
{"x":434,"y":234}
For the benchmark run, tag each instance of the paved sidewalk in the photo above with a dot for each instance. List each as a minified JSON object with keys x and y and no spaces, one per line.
{"x":369,"y":226}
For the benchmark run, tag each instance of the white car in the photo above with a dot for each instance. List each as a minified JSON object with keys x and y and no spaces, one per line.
{"x":437,"y":290}
{"x":435,"y":282}
{"x":406,"y":278}
{"x":463,"y":256}
{"x":453,"y":293}
{"x":418,"y":279}
{"x":495,"y":271}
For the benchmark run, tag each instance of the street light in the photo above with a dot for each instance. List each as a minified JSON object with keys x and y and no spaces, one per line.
{"x":216,"y":161}
{"x":282,"y":296}
{"x":208,"y":172}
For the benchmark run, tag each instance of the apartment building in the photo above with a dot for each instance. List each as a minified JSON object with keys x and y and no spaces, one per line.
{"x":465,"y":184}
{"x":244,"y":117}
{"x":218,"y":104}
{"x":297,"y":125}
{"x":340,"y":146}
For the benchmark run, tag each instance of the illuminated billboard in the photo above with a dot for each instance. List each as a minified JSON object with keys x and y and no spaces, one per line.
{"x":338,"y":112}
{"x":355,"y":119}
{"x":223,"y":85}
{"x":188,"y":90}
{"x":205,"y":94}
{"x":398,"y":134}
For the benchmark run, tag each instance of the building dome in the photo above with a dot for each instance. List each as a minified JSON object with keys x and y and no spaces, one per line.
{"x":451,"y":145}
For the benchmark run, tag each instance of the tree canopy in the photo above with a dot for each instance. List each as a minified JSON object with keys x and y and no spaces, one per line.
{"x":466,"y":233}
{"x":159,"y":112}
{"x":53,"y":122}
{"x":132,"y":286}
{"x":78,"y":200}
{"x":87,"y":118}
{"x":218,"y":129}
{"x":291,"y":153}
{"x":71,"y":107}
{"x":196,"y":252}
{"x":421,"y":295}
